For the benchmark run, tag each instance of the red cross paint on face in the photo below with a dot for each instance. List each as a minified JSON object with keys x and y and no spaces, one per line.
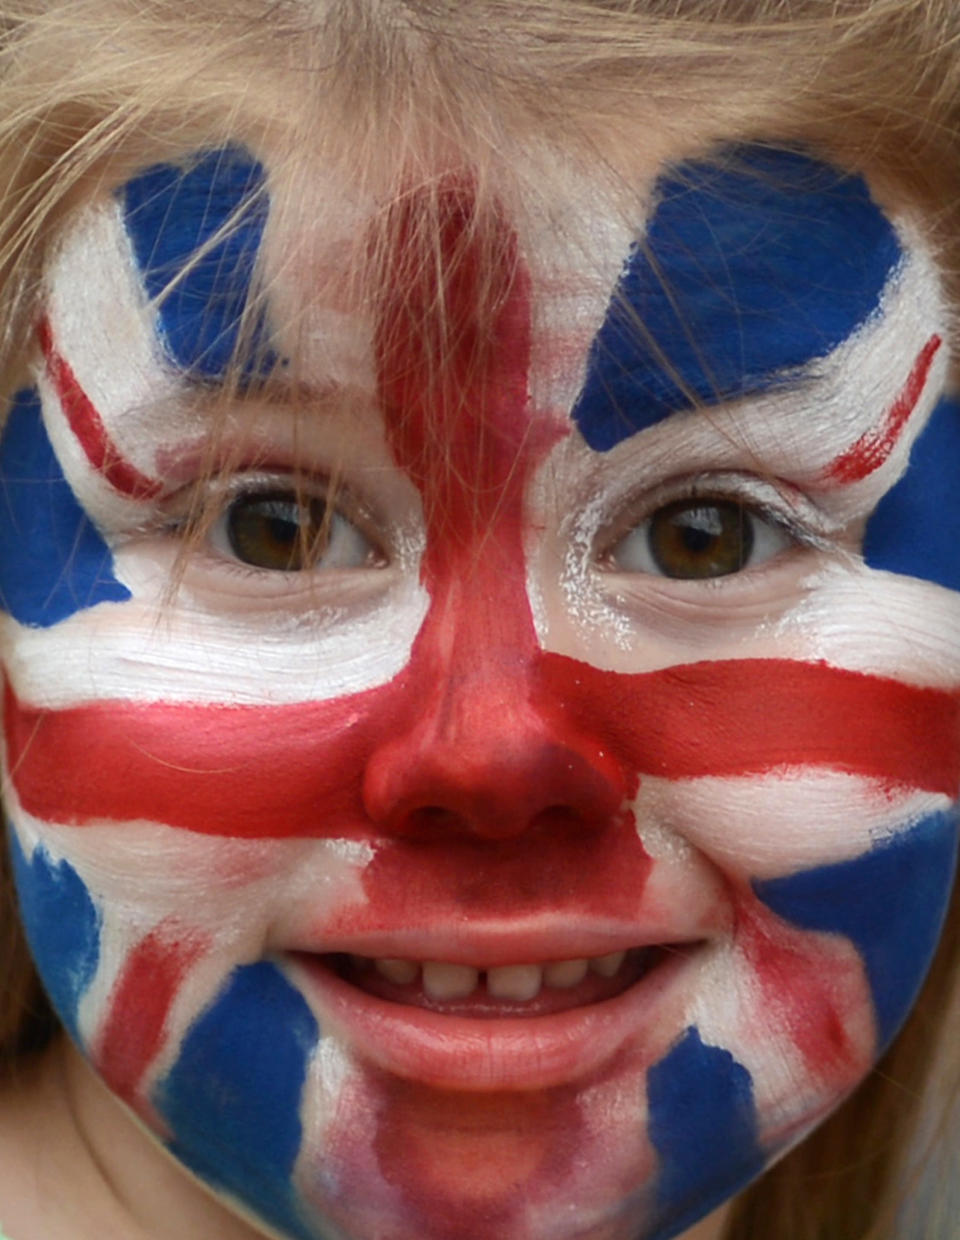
{"x":440,"y":911}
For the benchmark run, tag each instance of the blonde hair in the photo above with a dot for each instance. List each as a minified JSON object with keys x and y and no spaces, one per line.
{"x":91,"y":88}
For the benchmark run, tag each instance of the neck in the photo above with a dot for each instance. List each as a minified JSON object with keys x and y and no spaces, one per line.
{"x":75,"y":1165}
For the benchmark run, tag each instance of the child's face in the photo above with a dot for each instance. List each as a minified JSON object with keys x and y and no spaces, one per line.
{"x":541,"y":835}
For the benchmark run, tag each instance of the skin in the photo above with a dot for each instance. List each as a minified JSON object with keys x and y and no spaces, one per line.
{"x":467,"y":690}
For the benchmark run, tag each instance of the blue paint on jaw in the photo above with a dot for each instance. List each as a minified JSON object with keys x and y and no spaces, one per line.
{"x":750,"y":268}
{"x":62,"y":926}
{"x":196,"y":233}
{"x":53,"y":562}
{"x":232,"y":1099}
{"x":702,"y":1124}
{"x":915,"y":529}
{"x":890,"y":902}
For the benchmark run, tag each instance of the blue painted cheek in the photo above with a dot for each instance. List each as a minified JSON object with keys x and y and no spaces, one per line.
{"x":232,"y":1099}
{"x":890,"y":902}
{"x":62,"y":926}
{"x":53,"y":562}
{"x":748,"y":270}
{"x":915,"y":529}
{"x":703,"y":1126}
{"x":196,"y":233}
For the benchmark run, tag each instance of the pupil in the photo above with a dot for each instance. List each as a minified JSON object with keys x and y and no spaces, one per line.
{"x":275,"y":531}
{"x":698,"y":531}
{"x":693,"y":539}
{"x":282,"y":530}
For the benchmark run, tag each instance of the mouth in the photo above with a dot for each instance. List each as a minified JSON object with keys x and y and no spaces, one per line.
{"x":453,"y":1025}
{"x":497,"y":991}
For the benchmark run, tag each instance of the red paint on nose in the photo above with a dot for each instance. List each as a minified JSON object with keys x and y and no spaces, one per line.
{"x":474,"y":755}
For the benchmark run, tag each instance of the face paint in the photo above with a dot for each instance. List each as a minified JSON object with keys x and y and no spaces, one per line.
{"x":496,"y":751}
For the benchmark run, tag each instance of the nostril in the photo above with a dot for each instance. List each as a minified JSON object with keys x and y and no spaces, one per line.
{"x":557,"y":816}
{"x":431,"y":819}
{"x":491,"y":783}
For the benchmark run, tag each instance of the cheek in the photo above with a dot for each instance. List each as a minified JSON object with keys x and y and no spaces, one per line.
{"x":135,"y":928}
{"x":232,"y":1097}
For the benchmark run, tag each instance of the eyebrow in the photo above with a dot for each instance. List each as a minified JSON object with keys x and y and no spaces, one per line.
{"x":751,"y":268}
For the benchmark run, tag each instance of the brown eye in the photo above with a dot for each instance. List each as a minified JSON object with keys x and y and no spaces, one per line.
{"x":699,"y":538}
{"x":289,"y":533}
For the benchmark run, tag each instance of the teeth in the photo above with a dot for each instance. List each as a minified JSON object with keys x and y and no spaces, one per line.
{"x":449,"y":981}
{"x":563,"y":974}
{"x":518,"y":982}
{"x":402,"y":972}
{"x":515,"y":981}
{"x":606,"y":966}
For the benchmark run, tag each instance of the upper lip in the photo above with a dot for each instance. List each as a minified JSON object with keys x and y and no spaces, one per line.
{"x":494,"y":944}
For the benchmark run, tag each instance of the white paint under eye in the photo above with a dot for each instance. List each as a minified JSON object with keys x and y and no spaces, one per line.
{"x":590,"y":610}
{"x":184,"y":646}
{"x":878,"y":622}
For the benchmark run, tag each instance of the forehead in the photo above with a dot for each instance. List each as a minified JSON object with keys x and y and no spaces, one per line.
{"x":707,"y":281}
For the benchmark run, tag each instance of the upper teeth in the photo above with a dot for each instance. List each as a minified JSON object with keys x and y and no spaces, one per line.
{"x":510,"y":981}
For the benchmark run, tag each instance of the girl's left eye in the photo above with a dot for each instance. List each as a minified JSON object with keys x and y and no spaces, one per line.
{"x":283,"y":531}
{"x":699,"y":538}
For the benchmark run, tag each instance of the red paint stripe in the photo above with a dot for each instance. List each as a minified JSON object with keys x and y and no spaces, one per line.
{"x":748,"y":716}
{"x":88,"y":427}
{"x":133,"y":1033}
{"x":874,"y":447}
{"x":298,"y":770}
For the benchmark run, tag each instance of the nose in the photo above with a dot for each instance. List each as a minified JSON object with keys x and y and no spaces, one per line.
{"x":481,"y":760}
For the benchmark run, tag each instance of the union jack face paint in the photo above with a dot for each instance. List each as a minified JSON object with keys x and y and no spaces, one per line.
{"x":561,"y":836}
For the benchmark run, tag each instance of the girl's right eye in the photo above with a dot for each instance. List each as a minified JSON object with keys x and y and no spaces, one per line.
{"x":281,"y":530}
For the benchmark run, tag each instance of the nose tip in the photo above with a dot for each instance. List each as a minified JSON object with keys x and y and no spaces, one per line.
{"x":495,"y":780}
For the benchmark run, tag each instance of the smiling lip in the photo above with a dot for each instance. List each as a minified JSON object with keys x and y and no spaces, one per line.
{"x":457,"y":1049}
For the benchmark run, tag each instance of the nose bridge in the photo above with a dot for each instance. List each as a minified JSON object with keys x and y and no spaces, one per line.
{"x":453,"y":347}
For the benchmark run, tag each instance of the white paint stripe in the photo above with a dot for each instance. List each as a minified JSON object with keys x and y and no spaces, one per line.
{"x":765,"y":826}
{"x":876,"y":622}
{"x":294,"y":648}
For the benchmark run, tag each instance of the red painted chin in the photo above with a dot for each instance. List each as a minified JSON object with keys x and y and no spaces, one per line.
{"x":478,"y":1046}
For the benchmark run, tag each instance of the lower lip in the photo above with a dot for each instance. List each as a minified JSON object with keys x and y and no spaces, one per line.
{"x":458,"y":1052}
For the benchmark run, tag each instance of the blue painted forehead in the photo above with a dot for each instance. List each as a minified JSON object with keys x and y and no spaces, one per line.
{"x":751,"y":266}
{"x":196,"y":232}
